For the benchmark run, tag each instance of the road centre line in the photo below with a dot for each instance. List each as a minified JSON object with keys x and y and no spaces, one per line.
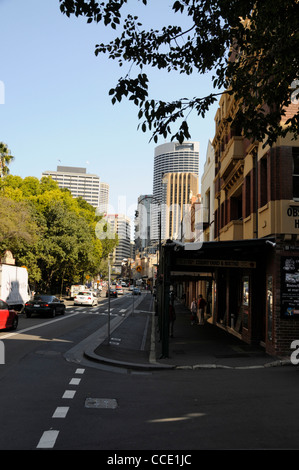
{"x":48,"y":439}
{"x":69,"y":394}
{"x":61,"y":412}
{"x":74,"y":381}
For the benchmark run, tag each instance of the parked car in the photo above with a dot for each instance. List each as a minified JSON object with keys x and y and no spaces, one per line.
{"x":44,"y":305}
{"x":8,"y":317}
{"x":136,"y":291}
{"x":113,"y":292}
{"x":119,"y":290}
{"x":86,"y":298}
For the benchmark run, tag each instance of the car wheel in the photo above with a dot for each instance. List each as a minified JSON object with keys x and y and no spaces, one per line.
{"x":28,"y":315}
{"x":63,"y":311}
{"x":15,"y":323}
{"x":53,"y":313}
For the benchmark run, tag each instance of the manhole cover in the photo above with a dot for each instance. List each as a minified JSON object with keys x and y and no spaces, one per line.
{"x":100,"y":403}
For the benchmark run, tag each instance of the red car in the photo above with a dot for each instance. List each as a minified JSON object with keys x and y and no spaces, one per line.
{"x":8,"y":317}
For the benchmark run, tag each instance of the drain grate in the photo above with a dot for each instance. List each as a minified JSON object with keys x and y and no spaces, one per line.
{"x":101,"y":403}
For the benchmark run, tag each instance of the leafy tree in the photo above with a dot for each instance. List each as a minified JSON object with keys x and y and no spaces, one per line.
{"x":5,"y":159}
{"x":250,"y":46}
{"x":19,"y":233}
{"x":49,"y":231}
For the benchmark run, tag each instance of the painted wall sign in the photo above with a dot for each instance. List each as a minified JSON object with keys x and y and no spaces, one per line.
{"x":289,"y":286}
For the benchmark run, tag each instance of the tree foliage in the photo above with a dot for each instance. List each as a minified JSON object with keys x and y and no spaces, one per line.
{"x":251,"y":47}
{"x":49,"y":232}
{"x":5,"y":159}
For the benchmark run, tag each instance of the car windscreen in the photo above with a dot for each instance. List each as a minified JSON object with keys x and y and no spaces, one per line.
{"x":43,"y":298}
{"x":84,"y":293}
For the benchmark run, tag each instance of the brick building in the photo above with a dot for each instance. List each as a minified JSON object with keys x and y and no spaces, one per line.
{"x":257,"y":200}
{"x":249,"y":271}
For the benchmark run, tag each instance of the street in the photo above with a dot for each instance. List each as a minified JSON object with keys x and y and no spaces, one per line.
{"x":48,"y":401}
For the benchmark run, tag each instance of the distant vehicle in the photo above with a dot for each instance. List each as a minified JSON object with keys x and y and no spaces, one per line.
{"x":8,"y":317}
{"x":14,"y":287}
{"x":86,"y":298}
{"x":75,"y":289}
{"x":136,"y":291}
{"x":44,"y":305}
{"x":119,"y":290}
{"x":113,"y":292}
{"x":124,"y":284}
{"x":131,"y":288}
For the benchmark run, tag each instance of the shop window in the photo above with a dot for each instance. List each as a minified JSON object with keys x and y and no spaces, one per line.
{"x":245,"y":300}
{"x":270,"y":306}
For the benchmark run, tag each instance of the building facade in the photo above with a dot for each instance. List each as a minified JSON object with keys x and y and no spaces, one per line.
{"x":171,"y":158}
{"x":104,"y":198}
{"x":121,"y":225}
{"x":256,"y":216}
{"x":80,"y":183}
{"x":177,"y":190}
{"x":143,"y":222}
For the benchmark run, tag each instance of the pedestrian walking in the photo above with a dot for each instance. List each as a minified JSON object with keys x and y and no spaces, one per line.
{"x":201,"y":309}
{"x":193,"y":309}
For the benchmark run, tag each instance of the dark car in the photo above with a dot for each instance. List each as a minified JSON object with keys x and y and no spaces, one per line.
{"x":8,"y":317}
{"x":113,"y":292}
{"x":136,"y":291}
{"x":44,"y":305}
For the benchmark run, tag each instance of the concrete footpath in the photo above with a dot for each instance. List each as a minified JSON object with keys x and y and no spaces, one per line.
{"x":134,"y":343}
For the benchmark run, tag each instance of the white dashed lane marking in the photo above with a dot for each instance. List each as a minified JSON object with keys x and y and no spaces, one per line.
{"x":61,"y":412}
{"x":48,"y":439}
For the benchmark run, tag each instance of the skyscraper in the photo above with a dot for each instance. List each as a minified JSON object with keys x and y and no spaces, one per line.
{"x":171,"y":157}
{"x":78,"y":182}
{"x":104,"y":198}
{"x":177,"y":190}
{"x":121,"y":225}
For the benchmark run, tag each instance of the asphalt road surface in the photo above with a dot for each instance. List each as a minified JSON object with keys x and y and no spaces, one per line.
{"x":48,"y":401}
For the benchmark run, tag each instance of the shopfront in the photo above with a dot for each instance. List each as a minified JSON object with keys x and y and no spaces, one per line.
{"x":233,"y":275}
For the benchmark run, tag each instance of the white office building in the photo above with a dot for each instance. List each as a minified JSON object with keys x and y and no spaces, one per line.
{"x":80,"y":183}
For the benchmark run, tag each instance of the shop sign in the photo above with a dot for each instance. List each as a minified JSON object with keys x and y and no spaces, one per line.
{"x":290,"y":286}
{"x":216,"y":263}
{"x":293,"y":211}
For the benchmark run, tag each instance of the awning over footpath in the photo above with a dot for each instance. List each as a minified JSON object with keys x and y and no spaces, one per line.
{"x":191,"y":259}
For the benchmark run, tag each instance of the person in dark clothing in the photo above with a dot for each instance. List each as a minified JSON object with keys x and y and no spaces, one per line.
{"x":172,"y":318}
{"x":201,"y":309}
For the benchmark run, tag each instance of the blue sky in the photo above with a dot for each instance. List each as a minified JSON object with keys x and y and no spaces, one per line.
{"x":56,"y":108}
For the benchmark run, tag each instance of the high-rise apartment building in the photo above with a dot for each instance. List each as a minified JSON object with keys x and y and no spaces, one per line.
{"x":171,"y":157}
{"x":121,"y":225}
{"x":104,"y":198}
{"x":80,"y":183}
{"x":143,"y":221}
{"x":177,"y":190}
